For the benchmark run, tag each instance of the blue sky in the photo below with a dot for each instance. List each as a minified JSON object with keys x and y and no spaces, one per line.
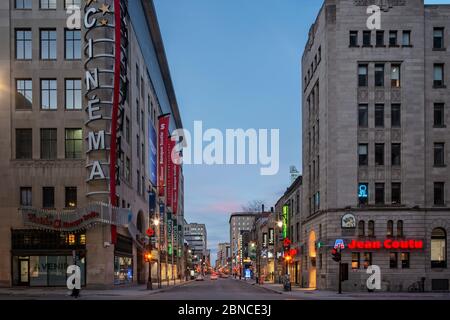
{"x":236,"y":64}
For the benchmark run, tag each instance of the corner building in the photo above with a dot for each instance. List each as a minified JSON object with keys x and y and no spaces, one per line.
{"x":57,"y":102}
{"x":375,"y":145}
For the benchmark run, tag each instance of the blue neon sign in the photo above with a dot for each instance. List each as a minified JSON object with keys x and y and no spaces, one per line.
{"x":363,"y":191}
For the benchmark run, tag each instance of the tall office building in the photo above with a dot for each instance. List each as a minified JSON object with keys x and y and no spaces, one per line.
{"x":79,"y":121}
{"x":197,"y":237}
{"x":375,"y":144}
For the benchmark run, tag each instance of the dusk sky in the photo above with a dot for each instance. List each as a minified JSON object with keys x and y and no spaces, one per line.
{"x":236,"y":64}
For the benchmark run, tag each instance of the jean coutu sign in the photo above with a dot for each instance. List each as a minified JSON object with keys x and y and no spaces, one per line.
{"x":104,"y":106}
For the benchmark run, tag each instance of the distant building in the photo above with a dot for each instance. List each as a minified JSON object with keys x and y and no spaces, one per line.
{"x":196,"y":236}
{"x":223,"y":253}
{"x":240,"y":224}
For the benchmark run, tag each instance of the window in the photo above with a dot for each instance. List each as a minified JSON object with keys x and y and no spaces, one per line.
{"x":74,"y":143}
{"x":24,"y":144}
{"x":362,"y":75}
{"x":23,"y":4}
{"x":48,"y":144}
{"x":363,"y":193}
{"x":439,"y":199}
{"x":363,"y":116}
{"x":355,"y":260}
{"x":400,"y":228}
{"x":361,"y":228}
{"x":406,"y":39}
{"x":73,"y":94}
{"x":47,"y":4}
{"x":396,"y":116}
{"x":138,"y":112}
{"x":393,"y":260}
{"x":24,"y":94}
{"x":395,"y":76}
{"x":142,"y":121}
{"x":138,"y":147}
{"x":393,"y":38}
{"x":404,"y":257}
{"x":379,"y":75}
{"x":138,"y":189}
{"x":379,"y":115}
{"x":367,"y":259}
{"x":438,"y":38}
{"x":24,"y":44}
{"x":48,"y":44}
{"x":71,"y":197}
{"x":143,"y":154}
{"x":438,"y":75}
{"x":366,"y":38}
{"x":396,"y":193}
{"x":48,"y":94}
{"x":127,"y":130}
{"x":390,"y":229}
{"x":379,"y":193}
{"x":380,"y":38}
{"x":439,"y":248}
{"x":25,"y":197}
{"x":363,"y":155}
{"x":439,"y":154}
{"x":48,"y":197}
{"x":396,"y":154}
{"x":439,"y":115}
{"x":379,"y":154}
{"x":127,"y":169}
{"x":68,"y":3}
{"x":72,"y":49}
{"x":353,"y":38}
{"x":371,"y":229}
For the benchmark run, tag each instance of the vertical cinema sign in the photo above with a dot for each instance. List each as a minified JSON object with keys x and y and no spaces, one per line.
{"x":105,"y":50}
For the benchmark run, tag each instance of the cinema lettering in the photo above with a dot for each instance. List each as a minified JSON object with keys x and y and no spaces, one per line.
{"x":386,"y":244}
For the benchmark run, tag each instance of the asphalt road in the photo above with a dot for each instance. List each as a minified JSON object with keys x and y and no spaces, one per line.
{"x":221,"y":289}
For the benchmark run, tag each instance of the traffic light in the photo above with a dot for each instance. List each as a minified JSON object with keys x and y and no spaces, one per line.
{"x":336,"y":254}
{"x":148,"y":256}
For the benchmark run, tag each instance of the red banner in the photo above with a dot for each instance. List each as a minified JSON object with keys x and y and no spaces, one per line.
{"x":176,"y":186}
{"x":170,"y":171}
{"x":163,"y":140}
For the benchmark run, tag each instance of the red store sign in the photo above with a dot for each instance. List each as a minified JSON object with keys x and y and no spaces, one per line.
{"x":386,"y":244}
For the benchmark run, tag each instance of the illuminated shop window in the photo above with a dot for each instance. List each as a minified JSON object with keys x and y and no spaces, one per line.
{"x":355,"y":260}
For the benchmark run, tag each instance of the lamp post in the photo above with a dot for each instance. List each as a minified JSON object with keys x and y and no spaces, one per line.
{"x":156,"y":223}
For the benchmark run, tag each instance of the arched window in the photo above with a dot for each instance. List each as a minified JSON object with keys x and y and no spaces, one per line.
{"x":361,"y":229}
{"x":438,"y":248}
{"x":390,"y":228}
{"x":400,"y":228}
{"x":371,"y":231}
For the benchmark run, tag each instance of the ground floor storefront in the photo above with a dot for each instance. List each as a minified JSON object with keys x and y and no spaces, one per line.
{"x":409,"y":248}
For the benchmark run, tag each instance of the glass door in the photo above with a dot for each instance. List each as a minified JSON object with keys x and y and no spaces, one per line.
{"x":24,"y":270}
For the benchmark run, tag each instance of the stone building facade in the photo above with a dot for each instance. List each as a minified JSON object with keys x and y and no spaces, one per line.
{"x":375,"y":144}
{"x":45,"y":160}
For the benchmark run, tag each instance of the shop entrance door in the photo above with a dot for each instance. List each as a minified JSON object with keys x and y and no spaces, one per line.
{"x":24,"y":271}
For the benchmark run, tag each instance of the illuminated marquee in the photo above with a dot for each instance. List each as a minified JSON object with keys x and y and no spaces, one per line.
{"x":285,"y":220}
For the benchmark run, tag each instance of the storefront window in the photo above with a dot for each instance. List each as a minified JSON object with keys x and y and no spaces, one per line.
{"x":367,"y":259}
{"x":438,"y":248}
{"x":393,"y":260}
{"x":123,"y":270}
{"x":355,"y":260}
{"x":405,"y":260}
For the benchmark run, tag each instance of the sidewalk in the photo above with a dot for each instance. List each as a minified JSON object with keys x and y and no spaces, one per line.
{"x":133,"y":290}
{"x":312,"y":294}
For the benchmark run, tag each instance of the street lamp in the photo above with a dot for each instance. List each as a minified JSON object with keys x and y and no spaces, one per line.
{"x":280,"y":224}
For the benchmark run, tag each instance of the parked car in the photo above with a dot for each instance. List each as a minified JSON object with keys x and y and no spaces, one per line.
{"x":214,"y":276}
{"x":224,"y":275}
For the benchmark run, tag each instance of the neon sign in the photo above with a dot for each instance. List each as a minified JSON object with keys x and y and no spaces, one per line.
{"x":363,"y":191}
{"x":386,"y":244}
{"x":285,"y":220}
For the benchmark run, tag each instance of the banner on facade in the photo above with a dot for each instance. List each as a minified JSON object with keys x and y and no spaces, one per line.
{"x":170,"y":174}
{"x":152,"y":152}
{"x":163,"y":139}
